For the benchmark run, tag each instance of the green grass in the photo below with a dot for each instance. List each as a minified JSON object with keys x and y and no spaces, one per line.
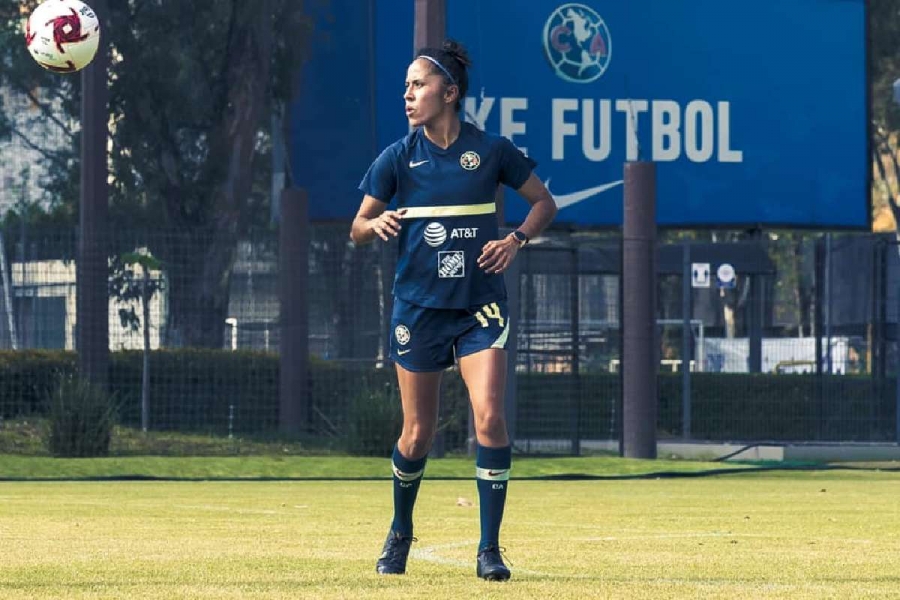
{"x":797,"y":535}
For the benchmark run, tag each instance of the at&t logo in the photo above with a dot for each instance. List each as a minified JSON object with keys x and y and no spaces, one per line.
{"x":577,"y":43}
{"x":435,"y":234}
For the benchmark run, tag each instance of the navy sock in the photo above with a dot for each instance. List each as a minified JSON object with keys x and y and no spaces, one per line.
{"x":407,"y":477}
{"x":492,"y":476}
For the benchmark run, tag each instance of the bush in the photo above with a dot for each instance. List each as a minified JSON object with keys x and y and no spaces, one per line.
{"x":82,"y":417}
{"x":200,"y":390}
{"x":375,"y":421}
{"x":219,"y":391}
{"x":453,"y":417}
{"x":28,"y":378}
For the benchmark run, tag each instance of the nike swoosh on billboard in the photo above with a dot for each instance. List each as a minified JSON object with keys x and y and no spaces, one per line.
{"x":564,"y":200}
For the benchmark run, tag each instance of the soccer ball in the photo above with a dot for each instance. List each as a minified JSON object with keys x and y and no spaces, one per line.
{"x":63,"y":35}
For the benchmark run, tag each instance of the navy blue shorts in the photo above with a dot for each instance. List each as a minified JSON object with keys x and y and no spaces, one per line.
{"x":430,"y":339}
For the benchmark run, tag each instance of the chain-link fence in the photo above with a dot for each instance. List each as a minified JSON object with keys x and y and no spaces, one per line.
{"x":801,"y":345}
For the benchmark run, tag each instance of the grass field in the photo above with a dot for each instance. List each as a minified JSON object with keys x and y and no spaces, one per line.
{"x":769,"y":534}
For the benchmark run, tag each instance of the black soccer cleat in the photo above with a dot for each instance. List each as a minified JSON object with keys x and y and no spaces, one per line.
{"x":394,"y":554}
{"x":490,"y":564}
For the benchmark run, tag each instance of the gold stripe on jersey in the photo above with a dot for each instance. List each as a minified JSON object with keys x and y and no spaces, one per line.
{"x":461,"y":210}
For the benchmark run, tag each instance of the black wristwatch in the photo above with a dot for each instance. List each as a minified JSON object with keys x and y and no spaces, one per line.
{"x":520,"y":237}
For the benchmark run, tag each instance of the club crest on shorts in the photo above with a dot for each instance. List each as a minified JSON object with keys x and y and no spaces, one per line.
{"x":469,"y":160}
{"x":401,"y":332}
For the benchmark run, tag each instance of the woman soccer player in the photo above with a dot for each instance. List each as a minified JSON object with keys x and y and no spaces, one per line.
{"x":449,"y":295}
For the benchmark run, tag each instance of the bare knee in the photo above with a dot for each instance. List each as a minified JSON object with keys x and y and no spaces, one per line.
{"x":490,"y":428}
{"x":415,"y":440}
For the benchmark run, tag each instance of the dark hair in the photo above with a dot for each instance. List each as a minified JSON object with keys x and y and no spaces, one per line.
{"x":454,"y":59}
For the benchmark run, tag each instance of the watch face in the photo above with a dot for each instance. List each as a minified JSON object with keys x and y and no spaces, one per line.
{"x":523,"y":239}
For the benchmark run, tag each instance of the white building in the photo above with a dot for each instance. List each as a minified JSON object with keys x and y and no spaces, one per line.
{"x":43,"y":315}
{"x":23,"y":168}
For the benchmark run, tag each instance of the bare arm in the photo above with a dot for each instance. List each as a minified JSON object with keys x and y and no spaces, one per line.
{"x":373,"y":220}
{"x":543,"y":207}
{"x":497,"y":255}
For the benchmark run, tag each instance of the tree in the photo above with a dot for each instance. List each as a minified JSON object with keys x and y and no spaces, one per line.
{"x":193,"y":86}
{"x":39,"y":110}
{"x":884,"y":22}
{"x":129,"y":288}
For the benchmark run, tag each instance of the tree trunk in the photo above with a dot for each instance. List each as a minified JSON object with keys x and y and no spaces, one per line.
{"x":201,"y":271}
{"x":804,"y":292}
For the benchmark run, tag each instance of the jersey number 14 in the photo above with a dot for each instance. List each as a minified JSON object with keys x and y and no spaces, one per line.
{"x":489,"y":311}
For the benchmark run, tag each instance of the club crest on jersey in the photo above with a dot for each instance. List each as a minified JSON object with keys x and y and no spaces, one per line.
{"x":435,"y":234}
{"x":401,"y":332}
{"x":451,"y":264}
{"x":469,"y":160}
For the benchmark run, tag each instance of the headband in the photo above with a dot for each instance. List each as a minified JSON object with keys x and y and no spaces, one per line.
{"x":439,"y":66}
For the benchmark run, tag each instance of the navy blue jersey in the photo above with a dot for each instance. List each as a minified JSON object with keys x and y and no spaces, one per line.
{"x":450,"y":212}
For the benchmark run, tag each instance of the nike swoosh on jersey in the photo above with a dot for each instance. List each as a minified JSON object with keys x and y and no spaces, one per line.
{"x":413,"y":165}
{"x":564,"y":200}
{"x":402,"y":352}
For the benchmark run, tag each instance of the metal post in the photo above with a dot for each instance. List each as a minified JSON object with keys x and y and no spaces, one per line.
{"x":882,"y":316}
{"x":686,"y":314}
{"x":620,"y":400}
{"x":429,"y":29}
{"x":293,"y":242}
{"x":819,"y":295}
{"x":527,"y":313}
{"x":639,"y":385}
{"x":828,"y":297}
{"x":6,"y":282}
{"x":576,"y":350}
{"x":430,"y":23}
{"x":145,"y":371}
{"x":897,"y":374}
{"x":882,"y":294}
{"x":512,"y":344}
{"x":92,"y":301}
{"x":755,"y":316}
{"x":279,"y":175}
{"x":896,"y":87}
{"x":818,"y":327}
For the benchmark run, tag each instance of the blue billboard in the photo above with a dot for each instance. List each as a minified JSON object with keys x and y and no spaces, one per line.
{"x":755,"y":113}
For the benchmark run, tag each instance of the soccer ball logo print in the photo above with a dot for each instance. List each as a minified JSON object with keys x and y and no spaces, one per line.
{"x":577,"y":43}
{"x":401,"y":332}
{"x":469,"y":160}
{"x":62,"y":35}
